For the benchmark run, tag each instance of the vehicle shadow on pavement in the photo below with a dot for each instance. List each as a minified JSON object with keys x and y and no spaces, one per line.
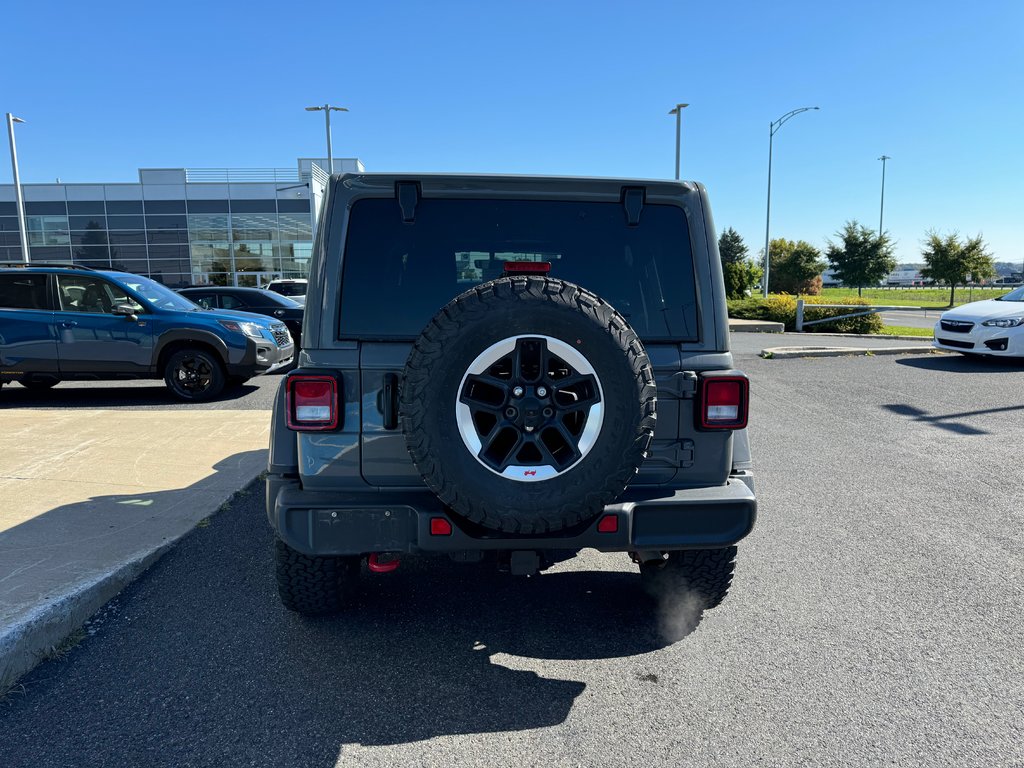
{"x":963,"y":364}
{"x":67,"y":395}
{"x":198,"y":663}
{"x":948,"y":421}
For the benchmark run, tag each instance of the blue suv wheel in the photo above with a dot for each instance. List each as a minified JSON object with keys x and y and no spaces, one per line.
{"x":194,"y":374}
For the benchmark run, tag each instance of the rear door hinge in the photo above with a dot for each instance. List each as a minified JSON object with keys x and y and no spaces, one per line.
{"x":682,"y":384}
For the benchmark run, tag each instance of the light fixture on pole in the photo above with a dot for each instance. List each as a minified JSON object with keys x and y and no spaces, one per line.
{"x":677,"y":110}
{"x":327,"y":109}
{"x":11,"y":120}
{"x":772,"y":130}
{"x":881,"y":208}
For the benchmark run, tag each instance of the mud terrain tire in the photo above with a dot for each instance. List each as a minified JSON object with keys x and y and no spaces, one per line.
{"x":576,"y":432}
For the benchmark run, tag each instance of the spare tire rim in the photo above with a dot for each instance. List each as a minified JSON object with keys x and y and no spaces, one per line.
{"x":530,"y":408}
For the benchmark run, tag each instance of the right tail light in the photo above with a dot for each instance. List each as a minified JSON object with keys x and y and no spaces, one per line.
{"x":724,"y":401}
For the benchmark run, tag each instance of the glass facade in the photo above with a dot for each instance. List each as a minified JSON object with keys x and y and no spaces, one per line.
{"x":196,"y":233}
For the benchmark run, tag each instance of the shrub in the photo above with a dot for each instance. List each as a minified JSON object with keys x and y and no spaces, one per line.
{"x":781,"y":308}
{"x":740,"y":278}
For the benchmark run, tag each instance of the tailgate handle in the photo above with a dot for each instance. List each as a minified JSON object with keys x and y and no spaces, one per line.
{"x":390,"y":401}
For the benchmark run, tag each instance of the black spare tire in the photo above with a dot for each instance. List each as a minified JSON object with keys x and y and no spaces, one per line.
{"x":528,"y":403}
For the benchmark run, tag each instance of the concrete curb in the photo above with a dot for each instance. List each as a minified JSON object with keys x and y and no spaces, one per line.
{"x":788,"y":353}
{"x":30,"y":641}
{"x":737,"y":325}
{"x":864,"y":336}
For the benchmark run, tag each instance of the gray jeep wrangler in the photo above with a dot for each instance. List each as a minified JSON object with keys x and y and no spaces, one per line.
{"x":513,"y":369}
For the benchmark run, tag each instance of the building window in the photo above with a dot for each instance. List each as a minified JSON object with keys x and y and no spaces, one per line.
{"x":165,"y":206}
{"x":208,"y":227}
{"x":124,"y":206}
{"x":294,"y":226}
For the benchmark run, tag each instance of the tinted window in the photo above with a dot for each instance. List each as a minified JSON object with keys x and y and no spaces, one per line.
{"x":165,"y":206}
{"x":204,"y":300}
{"x":127,"y":237}
{"x":166,"y":222}
{"x":87,"y":222}
{"x":46,"y":208}
{"x":645,"y":272}
{"x":253,"y":206}
{"x":293,"y":206}
{"x":84,"y":207}
{"x":19,"y":291}
{"x":227,"y":301}
{"x":207,"y":206}
{"x":292,"y":289}
{"x":124,"y":206}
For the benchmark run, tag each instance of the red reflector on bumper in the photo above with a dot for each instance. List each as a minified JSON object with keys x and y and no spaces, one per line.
{"x":440,"y":527}
{"x":608,"y":524}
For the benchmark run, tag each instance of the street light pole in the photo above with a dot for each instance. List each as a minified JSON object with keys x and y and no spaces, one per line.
{"x":327,"y":109}
{"x":22,"y":229}
{"x":678,"y":112}
{"x":772,"y":130}
{"x":881,"y":208}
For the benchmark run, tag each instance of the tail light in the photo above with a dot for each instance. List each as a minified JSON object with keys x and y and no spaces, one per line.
{"x":724,"y":402}
{"x":312,"y":403}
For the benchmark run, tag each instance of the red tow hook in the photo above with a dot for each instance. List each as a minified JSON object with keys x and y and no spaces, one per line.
{"x":375,"y":565}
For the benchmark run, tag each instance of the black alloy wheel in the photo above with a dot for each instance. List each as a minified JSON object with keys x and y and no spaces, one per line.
{"x":194,"y":375}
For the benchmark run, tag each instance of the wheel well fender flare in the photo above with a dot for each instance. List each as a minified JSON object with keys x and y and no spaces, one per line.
{"x":173,"y":340}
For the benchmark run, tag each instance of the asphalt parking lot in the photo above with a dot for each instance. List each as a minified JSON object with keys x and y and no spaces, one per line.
{"x":874,"y":619}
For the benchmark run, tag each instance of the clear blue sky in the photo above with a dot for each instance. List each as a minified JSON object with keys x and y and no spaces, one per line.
{"x":555,"y":87}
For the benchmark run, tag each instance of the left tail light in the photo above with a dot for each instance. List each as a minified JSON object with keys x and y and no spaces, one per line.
{"x":724,"y":402}
{"x":312,"y":403}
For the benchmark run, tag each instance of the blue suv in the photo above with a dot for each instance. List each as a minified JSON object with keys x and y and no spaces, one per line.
{"x":62,"y":322}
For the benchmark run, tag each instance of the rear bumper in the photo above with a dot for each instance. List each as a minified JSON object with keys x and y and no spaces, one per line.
{"x":356,"y":524}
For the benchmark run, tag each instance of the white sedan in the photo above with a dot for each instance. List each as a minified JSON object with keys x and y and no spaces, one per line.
{"x":989,"y":327}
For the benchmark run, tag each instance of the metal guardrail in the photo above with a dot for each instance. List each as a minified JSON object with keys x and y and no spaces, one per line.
{"x":241,"y":175}
{"x":867,"y":310}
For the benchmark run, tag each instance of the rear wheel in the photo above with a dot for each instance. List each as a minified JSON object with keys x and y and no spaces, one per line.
{"x":701,"y":577}
{"x":315,"y":586}
{"x":194,"y":374}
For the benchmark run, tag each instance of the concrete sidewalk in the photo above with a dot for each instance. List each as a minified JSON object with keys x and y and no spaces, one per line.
{"x":92,"y":497}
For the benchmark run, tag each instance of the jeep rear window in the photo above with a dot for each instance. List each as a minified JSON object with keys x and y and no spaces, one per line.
{"x":397,"y":275}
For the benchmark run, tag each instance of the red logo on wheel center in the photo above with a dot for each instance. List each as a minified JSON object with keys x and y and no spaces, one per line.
{"x":529,"y":472}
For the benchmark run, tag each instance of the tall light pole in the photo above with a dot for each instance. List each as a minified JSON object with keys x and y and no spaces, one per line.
{"x":772,"y":130}
{"x":11,"y":120}
{"x":677,"y":110}
{"x":881,"y":208}
{"x":327,"y":109}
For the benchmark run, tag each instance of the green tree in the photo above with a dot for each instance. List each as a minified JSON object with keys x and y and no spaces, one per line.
{"x":740,"y":274}
{"x":862,"y":258}
{"x":951,"y":261}
{"x":731,"y":247}
{"x":796,"y":267}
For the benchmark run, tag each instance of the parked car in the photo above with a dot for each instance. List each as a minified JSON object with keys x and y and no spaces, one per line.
{"x":511,"y":370}
{"x":293,"y":288}
{"x":61,"y":322}
{"x":254,"y":300}
{"x":990,"y":327}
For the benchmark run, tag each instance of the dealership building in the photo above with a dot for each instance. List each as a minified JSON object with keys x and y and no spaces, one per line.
{"x":181,"y":226}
